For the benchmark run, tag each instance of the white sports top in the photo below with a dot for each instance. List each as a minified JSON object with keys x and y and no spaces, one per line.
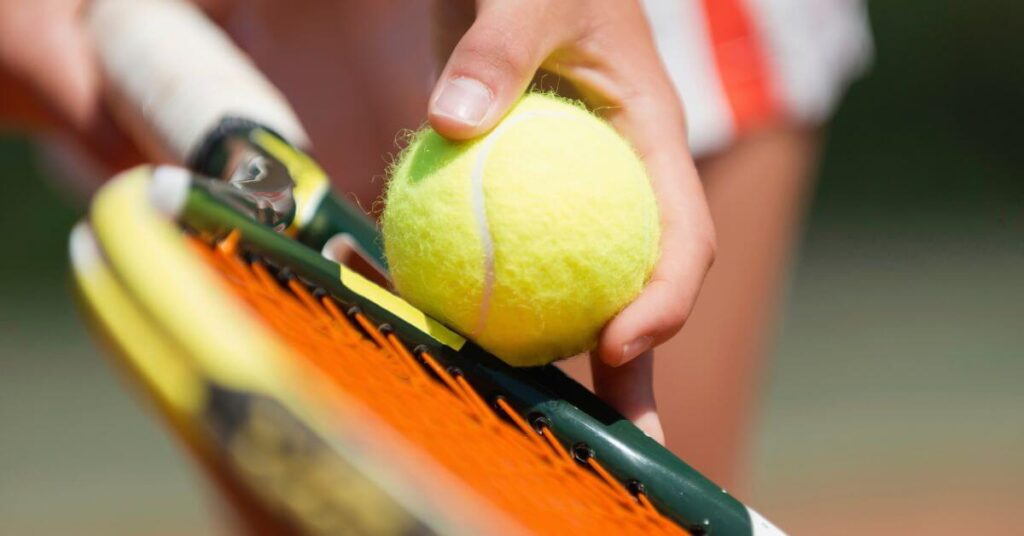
{"x":738,"y":64}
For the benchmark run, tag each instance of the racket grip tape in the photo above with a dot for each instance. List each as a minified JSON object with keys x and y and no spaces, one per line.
{"x":171,"y":75}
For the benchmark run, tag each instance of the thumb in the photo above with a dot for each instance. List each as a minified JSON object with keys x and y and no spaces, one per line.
{"x":488,"y":70}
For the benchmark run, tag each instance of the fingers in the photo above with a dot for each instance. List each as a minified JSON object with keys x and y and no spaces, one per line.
{"x":653,"y":120}
{"x":490,"y":68}
{"x":610,"y":58}
{"x":44,"y":49}
{"x":629,"y":389}
{"x":47,"y":62}
{"x":687,"y":251}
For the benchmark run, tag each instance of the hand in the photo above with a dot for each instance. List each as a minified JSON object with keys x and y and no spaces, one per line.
{"x":49,"y":78}
{"x":604,"y":49}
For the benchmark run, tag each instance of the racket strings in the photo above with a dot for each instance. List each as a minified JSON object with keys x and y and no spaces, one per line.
{"x":527,"y":473}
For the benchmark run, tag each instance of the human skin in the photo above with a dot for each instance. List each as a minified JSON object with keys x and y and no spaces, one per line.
{"x":708,"y":377}
{"x":50,"y":81}
{"x":604,"y":50}
{"x":693,"y":369}
{"x":605,"y":53}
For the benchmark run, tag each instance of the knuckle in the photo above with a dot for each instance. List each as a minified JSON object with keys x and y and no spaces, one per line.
{"x":710,"y":244}
{"x":499,"y":51}
{"x":674,"y":312}
{"x":675,"y":317}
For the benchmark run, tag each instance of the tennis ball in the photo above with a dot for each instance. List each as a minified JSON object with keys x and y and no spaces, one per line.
{"x":528,"y":239}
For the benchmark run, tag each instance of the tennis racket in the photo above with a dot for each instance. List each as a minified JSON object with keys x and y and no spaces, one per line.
{"x":220,"y":282}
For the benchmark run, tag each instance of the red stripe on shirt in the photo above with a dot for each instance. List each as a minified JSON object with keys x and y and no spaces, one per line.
{"x":741,"y":63}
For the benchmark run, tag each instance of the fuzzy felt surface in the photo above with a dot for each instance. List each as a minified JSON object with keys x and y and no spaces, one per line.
{"x":571,"y":220}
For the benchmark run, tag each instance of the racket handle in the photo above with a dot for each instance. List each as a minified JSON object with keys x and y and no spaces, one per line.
{"x":172,"y":76}
{"x":189,"y":96}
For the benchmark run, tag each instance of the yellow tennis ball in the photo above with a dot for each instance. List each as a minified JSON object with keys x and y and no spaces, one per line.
{"x":527,"y":240}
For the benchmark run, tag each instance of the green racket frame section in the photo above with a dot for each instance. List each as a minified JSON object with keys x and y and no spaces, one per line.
{"x":585,"y":424}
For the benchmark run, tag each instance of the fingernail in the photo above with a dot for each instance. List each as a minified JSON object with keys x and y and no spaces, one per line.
{"x":465,"y":100}
{"x":636,"y":347}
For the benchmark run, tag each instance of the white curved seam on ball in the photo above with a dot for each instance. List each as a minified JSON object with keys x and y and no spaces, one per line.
{"x":476,"y":181}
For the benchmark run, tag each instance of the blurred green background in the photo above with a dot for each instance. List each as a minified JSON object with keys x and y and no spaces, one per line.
{"x":895,"y":401}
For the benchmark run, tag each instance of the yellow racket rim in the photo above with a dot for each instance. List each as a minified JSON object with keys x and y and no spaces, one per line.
{"x":176,"y":321}
{"x":421,"y":439}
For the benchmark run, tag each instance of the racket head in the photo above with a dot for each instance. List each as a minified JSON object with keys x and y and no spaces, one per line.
{"x":198,"y":321}
{"x":184,"y":92}
{"x":305,"y":454}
